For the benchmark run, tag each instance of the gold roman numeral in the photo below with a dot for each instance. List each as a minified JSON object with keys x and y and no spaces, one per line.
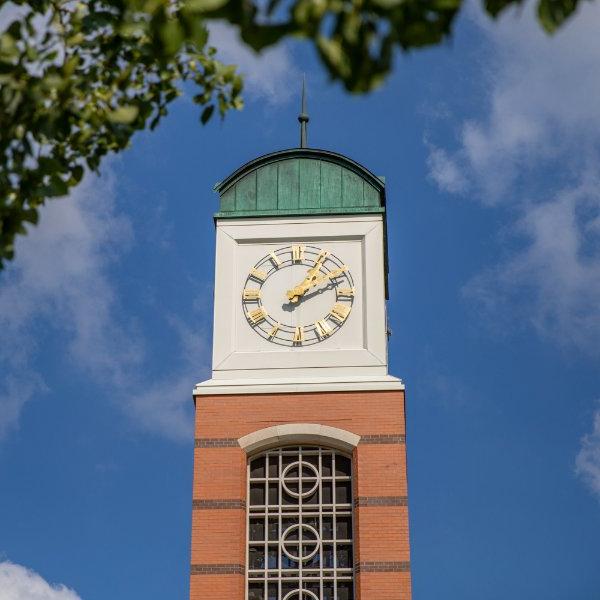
{"x":323,"y":328}
{"x":299,"y":335}
{"x":275,"y":259}
{"x":339,"y":312}
{"x":349,"y":292}
{"x":251,"y":294}
{"x":257,"y":315}
{"x":274,"y":330}
{"x":297,"y":253}
{"x":258,"y":274}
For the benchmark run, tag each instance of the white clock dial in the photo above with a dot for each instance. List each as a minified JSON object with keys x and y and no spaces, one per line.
{"x":298,"y":295}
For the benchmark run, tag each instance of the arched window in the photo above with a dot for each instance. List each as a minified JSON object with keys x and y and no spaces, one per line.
{"x":300,"y":525}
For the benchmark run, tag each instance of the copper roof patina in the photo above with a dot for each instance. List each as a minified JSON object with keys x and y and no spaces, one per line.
{"x":300,"y":181}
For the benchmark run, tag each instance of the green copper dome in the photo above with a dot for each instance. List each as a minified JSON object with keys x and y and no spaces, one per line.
{"x":300,"y":181}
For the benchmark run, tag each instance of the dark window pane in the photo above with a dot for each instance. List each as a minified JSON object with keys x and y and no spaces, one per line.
{"x":311,"y":499}
{"x":307,"y":549}
{"x":273,"y":493}
{"x":344,"y":590}
{"x":328,"y":591}
{"x":288,"y":500}
{"x":328,"y":556}
{"x":327,"y":533}
{"x":288,"y":460}
{"x":288,"y":563}
{"x":272,"y":592}
{"x":286,"y":523}
{"x":326,"y":493}
{"x":257,"y":493}
{"x":344,"y":528}
{"x":307,"y":472}
{"x":288,"y":587}
{"x":309,"y":484}
{"x":257,"y":467}
{"x":312,"y":563}
{"x":344,"y":556}
{"x":326,"y":465}
{"x":256,"y":557}
{"x":273,"y":466}
{"x":313,"y":460}
{"x":273,"y":529}
{"x":257,"y":530}
{"x":342,"y":465}
{"x":256,"y":591}
{"x":273,"y":552}
{"x":314,"y":587}
{"x":343,"y":492}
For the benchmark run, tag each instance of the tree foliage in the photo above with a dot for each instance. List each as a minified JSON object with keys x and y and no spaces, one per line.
{"x":356,"y":39}
{"x":77,"y":79}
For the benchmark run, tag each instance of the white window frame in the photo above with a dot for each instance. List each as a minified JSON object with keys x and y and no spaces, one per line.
{"x":317,"y":574}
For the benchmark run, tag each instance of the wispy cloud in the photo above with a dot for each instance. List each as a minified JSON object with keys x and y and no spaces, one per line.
{"x":61,"y":286}
{"x":20,"y":583}
{"x":587,"y":463}
{"x":553,"y":281}
{"x":269,"y":75}
{"x":535,"y":152}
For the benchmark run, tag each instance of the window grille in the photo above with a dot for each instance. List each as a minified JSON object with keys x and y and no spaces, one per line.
{"x":300,"y":525}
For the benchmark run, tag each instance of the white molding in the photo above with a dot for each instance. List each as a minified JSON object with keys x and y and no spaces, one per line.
{"x":359,"y":349}
{"x":299,"y":433}
{"x":217,"y":387}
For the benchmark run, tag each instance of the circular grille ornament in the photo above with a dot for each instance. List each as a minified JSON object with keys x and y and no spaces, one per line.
{"x":301,"y":594}
{"x":301,"y":543}
{"x":301,"y":479}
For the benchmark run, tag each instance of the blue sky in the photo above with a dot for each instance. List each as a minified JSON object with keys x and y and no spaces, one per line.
{"x":490,"y":149}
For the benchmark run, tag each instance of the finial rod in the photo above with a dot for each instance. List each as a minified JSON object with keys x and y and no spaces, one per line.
{"x":303,"y":116}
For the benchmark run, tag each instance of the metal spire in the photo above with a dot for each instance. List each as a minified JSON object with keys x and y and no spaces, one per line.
{"x":303,"y":116}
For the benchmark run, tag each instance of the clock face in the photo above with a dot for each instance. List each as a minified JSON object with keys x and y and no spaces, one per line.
{"x":298,"y":295}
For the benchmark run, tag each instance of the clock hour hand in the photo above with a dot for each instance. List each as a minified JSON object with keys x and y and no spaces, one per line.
{"x":311,"y":281}
{"x":300,"y":289}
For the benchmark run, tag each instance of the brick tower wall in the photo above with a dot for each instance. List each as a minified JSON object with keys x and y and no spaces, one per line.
{"x":381,"y":542}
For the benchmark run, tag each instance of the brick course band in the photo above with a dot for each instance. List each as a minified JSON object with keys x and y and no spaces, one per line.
{"x":218,"y":503}
{"x":382,"y":567}
{"x":216,"y":443}
{"x":218,"y":569}
{"x":381,"y":501}
{"x":383,"y":439}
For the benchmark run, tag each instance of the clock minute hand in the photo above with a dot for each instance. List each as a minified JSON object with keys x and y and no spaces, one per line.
{"x":330,"y":275}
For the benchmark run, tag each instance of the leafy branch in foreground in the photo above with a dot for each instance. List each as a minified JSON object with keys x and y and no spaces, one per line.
{"x":356,"y":39}
{"x":77,"y":79}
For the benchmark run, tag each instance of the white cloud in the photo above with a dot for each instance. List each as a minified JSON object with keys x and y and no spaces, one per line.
{"x":557,"y":272}
{"x":534,"y":151}
{"x":61,"y":285}
{"x":269,"y":75}
{"x":587,"y":462}
{"x":19,"y":583}
{"x":541,"y":103}
{"x":445,"y":172}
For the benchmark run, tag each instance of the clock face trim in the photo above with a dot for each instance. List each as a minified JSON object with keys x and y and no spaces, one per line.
{"x":328,"y":272}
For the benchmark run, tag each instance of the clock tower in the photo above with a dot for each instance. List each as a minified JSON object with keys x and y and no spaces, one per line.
{"x":300,"y":486}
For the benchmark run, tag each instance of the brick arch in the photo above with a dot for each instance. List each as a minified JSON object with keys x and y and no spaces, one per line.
{"x":299,"y":433}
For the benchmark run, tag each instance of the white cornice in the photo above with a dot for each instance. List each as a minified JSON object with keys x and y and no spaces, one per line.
{"x":296,"y":385}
